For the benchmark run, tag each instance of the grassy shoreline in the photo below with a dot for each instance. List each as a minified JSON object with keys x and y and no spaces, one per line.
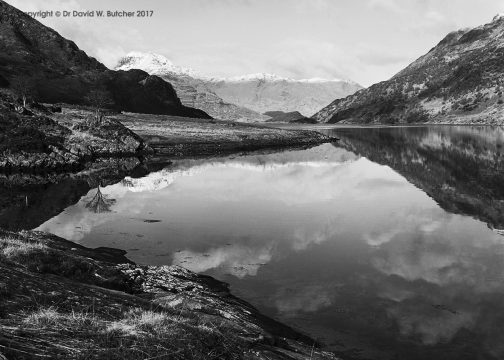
{"x":42,"y":140}
{"x":62,"y":300}
{"x":176,"y":136}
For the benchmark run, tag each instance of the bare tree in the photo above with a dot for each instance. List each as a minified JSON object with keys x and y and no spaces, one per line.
{"x":100,"y":203}
{"x":24,"y":89}
{"x":98,"y":99}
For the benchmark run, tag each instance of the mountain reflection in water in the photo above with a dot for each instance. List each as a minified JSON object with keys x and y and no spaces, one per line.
{"x":380,"y":245}
{"x":462,"y":168}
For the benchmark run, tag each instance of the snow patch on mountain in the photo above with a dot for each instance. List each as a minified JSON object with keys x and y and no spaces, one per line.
{"x":251,"y":94}
{"x":251,"y":77}
{"x":267,"y":77}
{"x":157,"y":64}
{"x":191,"y":90}
{"x":154,"y":64}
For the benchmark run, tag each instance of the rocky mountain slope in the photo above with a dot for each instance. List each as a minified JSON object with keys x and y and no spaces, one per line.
{"x":242,"y":98}
{"x":192,"y":91}
{"x":53,"y":69}
{"x":460,"y":80}
{"x":267,"y":92}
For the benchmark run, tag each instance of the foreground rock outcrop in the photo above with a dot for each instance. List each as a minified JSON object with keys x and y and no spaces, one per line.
{"x":61,"y":300}
{"x":37,"y":142}
{"x":458,"y":81}
{"x":45,"y":141}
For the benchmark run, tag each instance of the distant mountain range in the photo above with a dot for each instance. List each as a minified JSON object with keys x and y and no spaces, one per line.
{"x":268,"y":92}
{"x":245,"y":97}
{"x":192,"y":90}
{"x":56,"y":70}
{"x":460,"y":80}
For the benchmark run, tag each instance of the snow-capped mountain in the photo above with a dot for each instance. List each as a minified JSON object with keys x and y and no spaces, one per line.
{"x":243,"y":97}
{"x":269,"y":77}
{"x":268,"y":92}
{"x":152,"y":63}
{"x":54,"y":68}
{"x":190,"y":87}
{"x":249,"y":77}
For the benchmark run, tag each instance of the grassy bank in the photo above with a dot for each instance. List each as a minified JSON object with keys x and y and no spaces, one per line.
{"x":179,"y":136}
{"x":59,"y":300}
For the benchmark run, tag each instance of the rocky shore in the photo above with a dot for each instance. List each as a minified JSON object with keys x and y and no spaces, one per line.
{"x":33,"y":140}
{"x":179,"y":137}
{"x":40,"y":140}
{"x":62,"y":300}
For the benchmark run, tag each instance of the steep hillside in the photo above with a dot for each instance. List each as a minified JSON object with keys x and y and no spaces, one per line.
{"x":460,"y":80}
{"x":54,"y":69}
{"x":267,"y":92}
{"x":193,"y":92}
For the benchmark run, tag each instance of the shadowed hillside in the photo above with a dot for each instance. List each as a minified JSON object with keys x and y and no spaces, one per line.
{"x":55,"y":70}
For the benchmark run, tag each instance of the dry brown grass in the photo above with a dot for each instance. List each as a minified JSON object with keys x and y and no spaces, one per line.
{"x":79,"y":332}
{"x":50,"y":318}
{"x":16,"y":249}
{"x":139,"y":334}
{"x":36,"y":256}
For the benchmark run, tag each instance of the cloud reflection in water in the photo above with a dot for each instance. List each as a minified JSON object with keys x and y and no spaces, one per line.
{"x":310,"y":232}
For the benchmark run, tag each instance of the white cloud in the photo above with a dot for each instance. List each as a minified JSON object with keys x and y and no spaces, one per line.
{"x":435,"y":16}
{"x":238,"y":260}
{"x":430,"y":324}
{"x":390,"y":5}
{"x":299,"y":57}
{"x":304,"y":237}
{"x":310,"y":298}
{"x":366,"y":42}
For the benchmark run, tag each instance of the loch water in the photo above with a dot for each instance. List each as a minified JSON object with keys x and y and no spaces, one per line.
{"x":387,"y":244}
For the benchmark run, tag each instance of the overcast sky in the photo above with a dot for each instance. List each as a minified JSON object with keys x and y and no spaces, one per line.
{"x":363,"y":40}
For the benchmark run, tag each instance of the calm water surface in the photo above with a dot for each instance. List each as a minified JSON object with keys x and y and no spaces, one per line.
{"x":385,"y":245}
